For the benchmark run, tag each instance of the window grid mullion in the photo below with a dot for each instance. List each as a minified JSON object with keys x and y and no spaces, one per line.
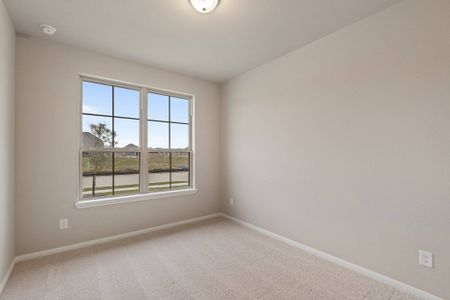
{"x":170,"y":145}
{"x":122,"y":150}
{"x":113,"y":170}
{"x":144,"y":141}
{"x":172,"y":122}
{"x":110,"y":116}
{"x":189,"y":173}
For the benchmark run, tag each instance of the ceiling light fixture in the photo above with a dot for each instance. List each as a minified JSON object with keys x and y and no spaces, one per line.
{"x":204,"y":6}
{"x":47,"y":29}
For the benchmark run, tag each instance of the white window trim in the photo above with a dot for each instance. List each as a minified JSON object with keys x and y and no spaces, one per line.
{"x":144,"y":89}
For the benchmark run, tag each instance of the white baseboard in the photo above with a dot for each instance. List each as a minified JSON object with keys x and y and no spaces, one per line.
{"x":111,"y":238}
{"x":343,"y":263}
{"x":7,"y":275}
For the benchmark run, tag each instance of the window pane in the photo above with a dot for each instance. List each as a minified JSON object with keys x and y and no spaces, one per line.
{"x":158,"y":135}
{"x":126,"y":173}
{"x":111,"y":119}
{"x":97,"y":98}
{"x":127,"y":133}
{"x":158,"y":107}
{"x":158,"y":171}
{"x":180,"y":170}
{"x":97,"y":174}
{"x":179,"y":110}
{"x":126,"y":102}
{"x":97,"y":132}
{"x":179,"y":136}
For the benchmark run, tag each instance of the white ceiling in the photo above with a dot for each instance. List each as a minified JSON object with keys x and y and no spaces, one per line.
{"x":238,"y":36}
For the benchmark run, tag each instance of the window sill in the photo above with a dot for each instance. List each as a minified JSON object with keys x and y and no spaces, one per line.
{"x":132,"y":198}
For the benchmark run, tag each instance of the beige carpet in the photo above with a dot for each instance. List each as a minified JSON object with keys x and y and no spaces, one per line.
{"x":215,"y":259}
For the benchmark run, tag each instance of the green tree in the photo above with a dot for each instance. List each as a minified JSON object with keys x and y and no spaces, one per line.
{"x":105,"y":138}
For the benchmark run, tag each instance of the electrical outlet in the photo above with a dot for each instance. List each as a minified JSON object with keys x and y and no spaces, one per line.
{"x":63,"y":224}
{"x":426,"y":258}
{"x":231,"y":201}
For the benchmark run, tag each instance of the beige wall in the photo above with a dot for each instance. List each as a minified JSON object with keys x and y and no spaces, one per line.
{"x":7,"y":45}
{"x":48,"y":95}
{"x":344,"y":145}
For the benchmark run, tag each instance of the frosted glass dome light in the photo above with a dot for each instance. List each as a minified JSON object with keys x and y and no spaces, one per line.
{"x":204,"y":6}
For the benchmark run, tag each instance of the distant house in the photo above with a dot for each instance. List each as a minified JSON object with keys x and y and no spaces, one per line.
{"x":91,"y":141}
{"x":131,"y":151}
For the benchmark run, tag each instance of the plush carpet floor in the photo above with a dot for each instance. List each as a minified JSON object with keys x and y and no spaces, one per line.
{"x":214,"y":259}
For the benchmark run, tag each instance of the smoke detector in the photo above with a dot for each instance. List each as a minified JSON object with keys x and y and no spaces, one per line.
{"x":48,"y":29}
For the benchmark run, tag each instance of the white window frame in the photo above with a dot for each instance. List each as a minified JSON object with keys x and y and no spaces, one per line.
{"x":144,"y":194}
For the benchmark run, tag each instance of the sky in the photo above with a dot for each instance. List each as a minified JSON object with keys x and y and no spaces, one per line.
{"x":97,"y":99}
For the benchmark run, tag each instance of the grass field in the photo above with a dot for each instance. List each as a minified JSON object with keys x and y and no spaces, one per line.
{"x":156,"y":161}
{"x":125,"y":167}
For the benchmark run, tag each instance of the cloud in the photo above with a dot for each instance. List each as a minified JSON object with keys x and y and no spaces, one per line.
{"x":89,"y":109}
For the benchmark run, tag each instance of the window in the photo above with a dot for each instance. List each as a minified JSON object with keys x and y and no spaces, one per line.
{"x":134,"y":140}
